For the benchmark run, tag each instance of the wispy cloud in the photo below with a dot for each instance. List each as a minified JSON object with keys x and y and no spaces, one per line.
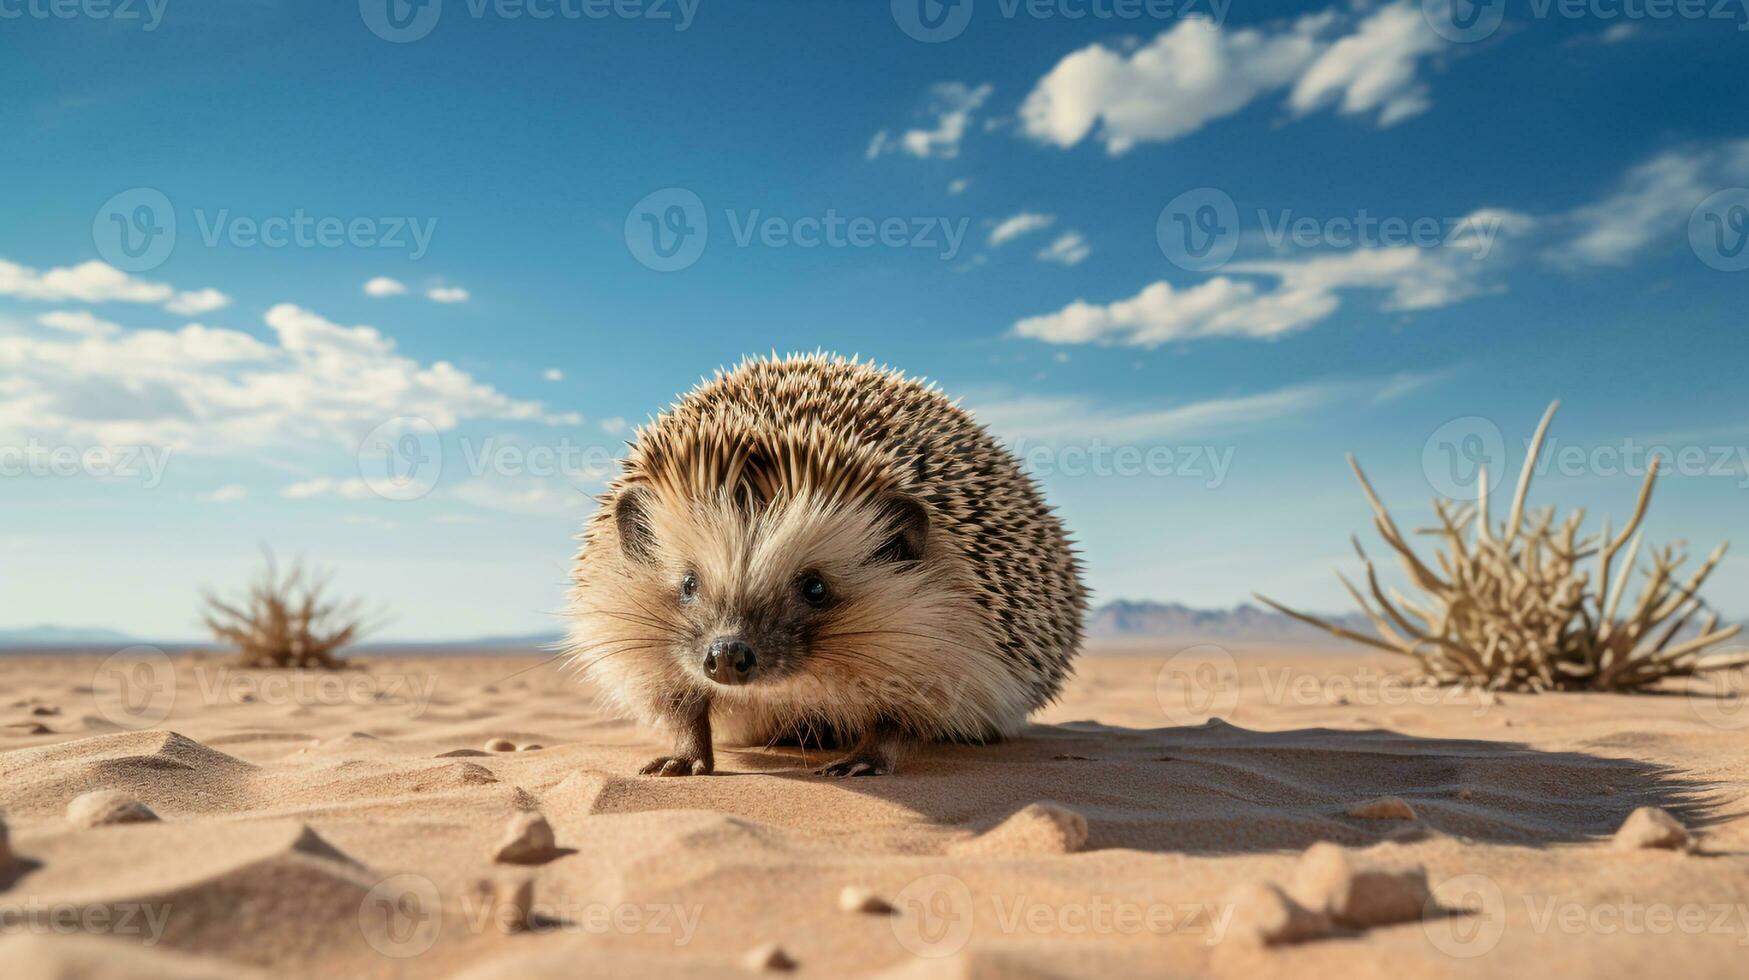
{"x":1019,"y":225}
{"x":952,"y":106}
{"x":96,"y":282}
{"x":1070,"y":248}
{"x":1060,"y":418}
{"x":1652,"y":200}
{"x":384,"y":286}
{"x":448,"y":294}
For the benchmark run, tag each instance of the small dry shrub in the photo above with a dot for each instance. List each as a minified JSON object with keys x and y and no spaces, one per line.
{"x":285,"y":620}
{"x":1517,"y":607}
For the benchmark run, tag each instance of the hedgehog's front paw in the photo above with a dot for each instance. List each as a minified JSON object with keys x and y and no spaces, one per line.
{"x":857,"y":764}
{"x":677,"y":765}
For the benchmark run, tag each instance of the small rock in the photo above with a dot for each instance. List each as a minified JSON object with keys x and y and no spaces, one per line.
{"x":460,"y":754}
{"x":30,"y":728}
{"x":1383,"y":808}
{"x":7,"y":860}
{"x":768,"y":958}
{"x":45,"y":710}
{"x":527,"y":840}
{"x":1650,"y":827}
{"x":1264,"y":915}
{"x":1327,"y":881}
{"x":855,"y":898}
{"x":509,"y":902}
{"x":1464,"y":794}
{"x":104,"y":807}
{"x":500,"y":745}
{"x":1037,"y":828}
{"x":531,"y":747}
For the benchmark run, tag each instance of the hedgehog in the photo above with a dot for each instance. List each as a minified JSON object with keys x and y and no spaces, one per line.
{"x":817,"y":550}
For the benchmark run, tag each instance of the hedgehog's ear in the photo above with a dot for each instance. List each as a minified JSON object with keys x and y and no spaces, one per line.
{"x":631,"y":515}
{"x":905,"y":518}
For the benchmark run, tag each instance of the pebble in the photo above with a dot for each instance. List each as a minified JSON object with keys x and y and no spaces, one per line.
{"x":769,"y":958}
{"x":855,"y":898}
{"x":500,"y":745}
{"x":1326,"y":880}
{"x":104,"y":807}
{"x":528,"y":839}
{"x":1650,"y":827}
{"x":1264,"y":915}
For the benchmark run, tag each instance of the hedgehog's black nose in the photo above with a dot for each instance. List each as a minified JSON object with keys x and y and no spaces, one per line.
{"x":729,"y":661}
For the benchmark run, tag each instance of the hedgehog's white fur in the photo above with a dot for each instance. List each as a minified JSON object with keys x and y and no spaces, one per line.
{"x":782,"y":465}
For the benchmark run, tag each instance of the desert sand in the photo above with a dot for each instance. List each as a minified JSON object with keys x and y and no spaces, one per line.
{"x":479,"y":816}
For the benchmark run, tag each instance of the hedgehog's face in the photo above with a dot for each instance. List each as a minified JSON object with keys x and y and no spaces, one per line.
{"x":754,"y":595}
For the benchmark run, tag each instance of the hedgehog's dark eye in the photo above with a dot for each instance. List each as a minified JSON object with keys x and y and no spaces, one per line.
{"x":689,"y":587}
{"x":813,"y":589}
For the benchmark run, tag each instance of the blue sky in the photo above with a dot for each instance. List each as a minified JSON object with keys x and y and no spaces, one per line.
{"x":436,"y":245}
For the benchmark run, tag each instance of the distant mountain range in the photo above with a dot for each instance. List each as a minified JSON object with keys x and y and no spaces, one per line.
{"x":1125,"y":618}
{"x":63,"y":636}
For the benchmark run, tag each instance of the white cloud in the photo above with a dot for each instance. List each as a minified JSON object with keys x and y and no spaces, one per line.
{"x":1197,"y":72}
{"x":958,"y":185}
{"x":1024,"y":223}
{"x":553,"y":374}
{"x":1618,"y":33}
{"x":197,"y":302}
{"x":447,"y":294}
{"x":384,"y":286}
{"x":1070,"y":248}
{"x":1373,"y":69}
{"x":1049,"y":418}
{"x":213,"y":390}
{"x":230,"y":493}
{"x":952,"y":106}
{"x":80,"y":322}
{"x":1653,"y":200}
{"x":351,"y":488}
{"x":613,"y":426}
{"x":1305,"y":292}
{"x":96,"y":282}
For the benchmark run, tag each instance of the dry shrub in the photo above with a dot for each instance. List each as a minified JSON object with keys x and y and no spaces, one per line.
{"x":1514,"y":607}
{"x":285,"y":620}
